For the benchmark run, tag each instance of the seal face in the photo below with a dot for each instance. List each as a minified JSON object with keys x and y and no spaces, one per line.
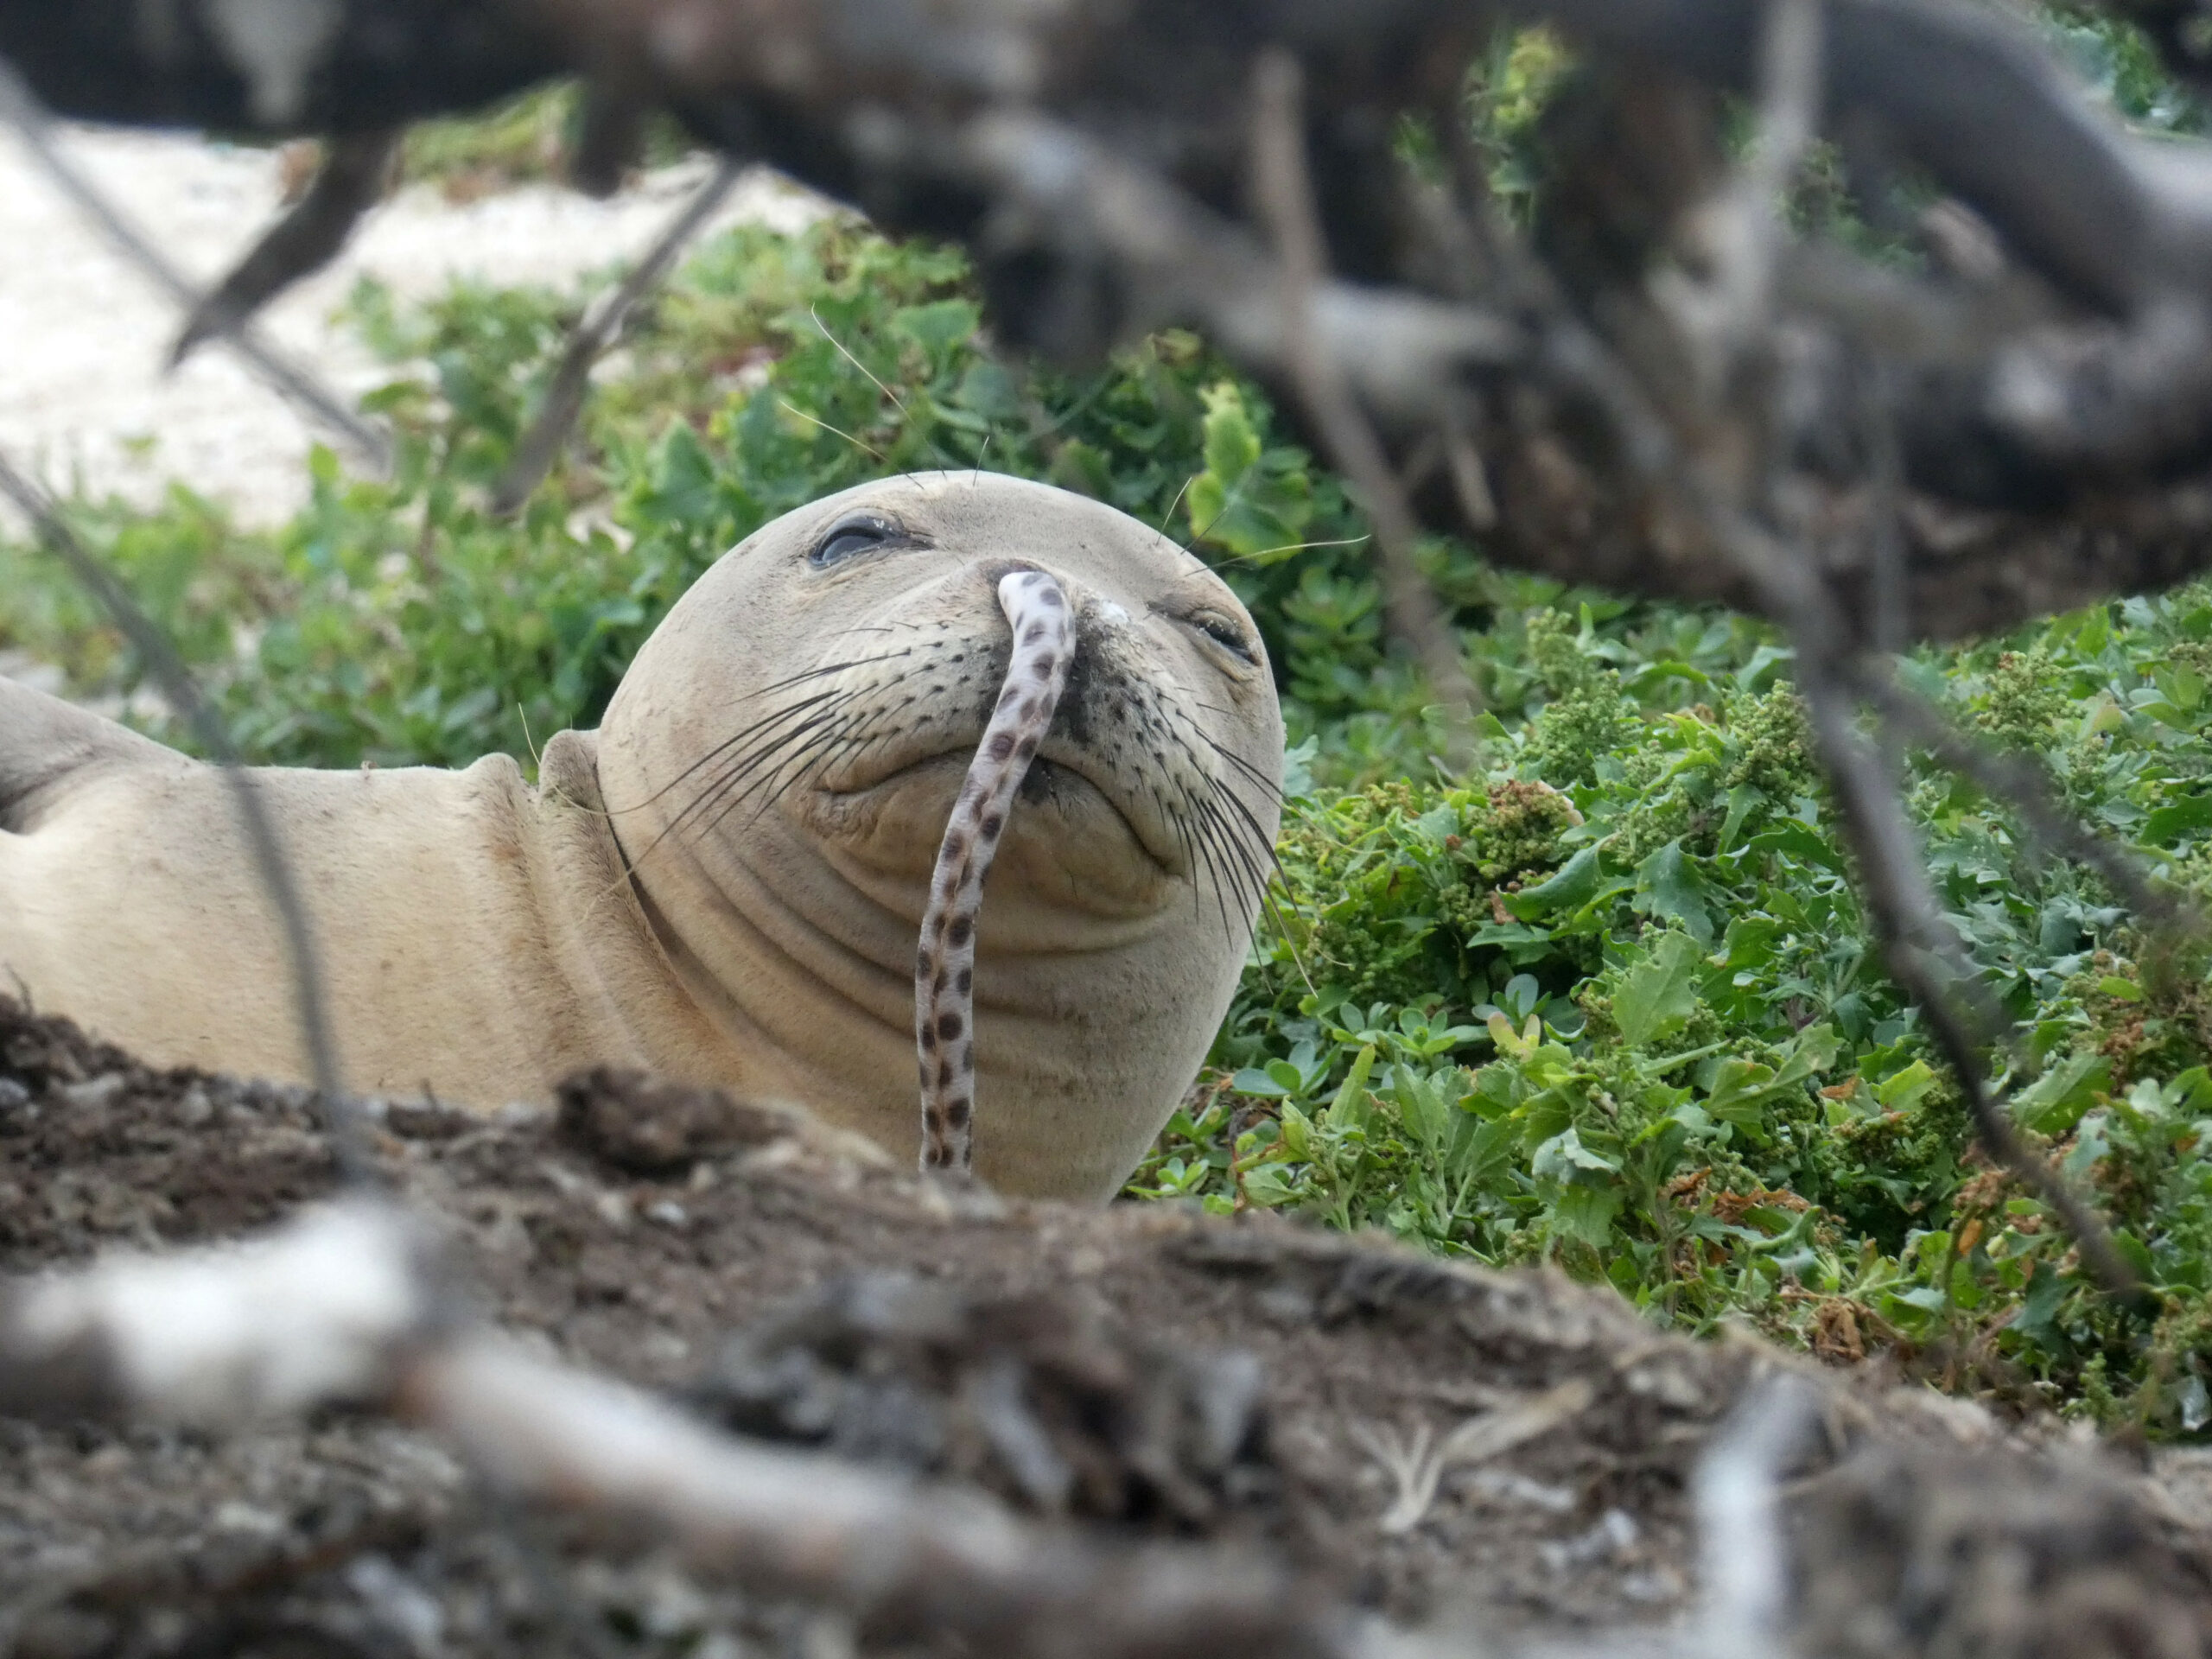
{"x":726,"y":881}
{"x":786,"y":804}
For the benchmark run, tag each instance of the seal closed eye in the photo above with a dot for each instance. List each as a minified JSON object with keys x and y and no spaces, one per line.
{"x":728,"y":880}
{"x":856,"y":533}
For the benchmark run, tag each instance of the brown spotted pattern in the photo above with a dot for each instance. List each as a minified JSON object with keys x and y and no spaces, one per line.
{"x":944,"y":968}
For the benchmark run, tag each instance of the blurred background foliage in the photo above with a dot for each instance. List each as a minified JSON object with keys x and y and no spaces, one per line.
{"x":1605,"y":1001}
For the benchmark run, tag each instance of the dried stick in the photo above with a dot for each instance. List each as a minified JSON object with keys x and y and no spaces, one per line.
{"x":1741,"y":1537}
{"x":1286,"y":200}
{"x":340,"y":1305}
{"x":1746,"y":235}
{"x":1921,"y":955}
{"x":2025,"y":787}
{"x":349,"y":1136}
{"x":20,"y":109}
{"x":304,"y":241}
{"x":564,"y":398}
{"x":1928,"y":964}
{"x":1902,"y":904}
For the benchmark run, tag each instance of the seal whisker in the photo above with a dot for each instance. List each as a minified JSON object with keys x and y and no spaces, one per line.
{"x":815,"y":312}
{"x":1255,"y":872}
{"x":728,"y":743}
{"x":1237,"y":868}
{"x":1261,"y":838}
{"x":1274,"y":896}
{"x":737,"y":770}
{"x":1181,"y":824}
{"x":1273,"y":788}
{"x":678,"y":822}
{"x":830,"y":743}
{"x":1216,"y":867}
{"x":765,"y":775}
{"x":1167,"y":516}
{"x":839,"y":431}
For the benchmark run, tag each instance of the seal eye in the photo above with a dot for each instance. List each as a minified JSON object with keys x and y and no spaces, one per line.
{"x":1226,"y":634}
{"x":856,"y":532}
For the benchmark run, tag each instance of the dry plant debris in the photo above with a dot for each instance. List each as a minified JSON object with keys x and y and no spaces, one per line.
{"x":1214,"y":1385}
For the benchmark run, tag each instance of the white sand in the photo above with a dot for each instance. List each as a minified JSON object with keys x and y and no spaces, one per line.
{"x":83,"y":335}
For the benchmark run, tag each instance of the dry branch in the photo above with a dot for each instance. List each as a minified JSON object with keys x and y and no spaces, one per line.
{"x":352,"y":178}
{"x":594,"y":333}
{"x":1286,"y":202}
{"x":344,"y":1305}
{"x":20,"y":108}
{"x":159,"y":658}
{"x":2052,"y":427}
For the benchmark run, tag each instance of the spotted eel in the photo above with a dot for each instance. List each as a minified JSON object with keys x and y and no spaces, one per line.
{"x":945,"y":968}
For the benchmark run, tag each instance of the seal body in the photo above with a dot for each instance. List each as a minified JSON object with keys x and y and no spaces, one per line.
{"x":726,"y":882}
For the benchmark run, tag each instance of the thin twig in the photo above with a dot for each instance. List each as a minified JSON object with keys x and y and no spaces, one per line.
{"x":564,"y":398}
{"x":352,"y":176}
{"x":1286,"y":200}
{"x":2027,"y":788}
{"x":1926,"y":961}
{"x":1921,"y":955}
{"x":349,"y":1136}
{"x":20,"y":108}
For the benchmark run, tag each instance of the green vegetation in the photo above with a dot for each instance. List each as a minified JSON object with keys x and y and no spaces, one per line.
{"x":528,"y":139}
{"x":1606,"y":1001}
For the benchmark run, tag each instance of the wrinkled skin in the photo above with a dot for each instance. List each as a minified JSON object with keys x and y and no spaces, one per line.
{"x":726,"y":881}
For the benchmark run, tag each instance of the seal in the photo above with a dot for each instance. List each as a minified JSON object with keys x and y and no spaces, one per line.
{"x":727,"y":882}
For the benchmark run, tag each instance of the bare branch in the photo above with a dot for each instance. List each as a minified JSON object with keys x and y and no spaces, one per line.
{"x":1927,"y":963}
{"x":352,"y":176}
{"x":20,"y":109}
{"x":338,"y":1307}
{"x":601,"y":326}
{"x":1287,"y":200}
{"x":2025,"y":787}
{"x":348,"y":1137}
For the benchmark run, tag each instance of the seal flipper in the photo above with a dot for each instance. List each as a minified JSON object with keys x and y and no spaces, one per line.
{"x":46,"y":744}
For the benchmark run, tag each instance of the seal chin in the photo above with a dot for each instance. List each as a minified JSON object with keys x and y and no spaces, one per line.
{"x":1066,"y":839}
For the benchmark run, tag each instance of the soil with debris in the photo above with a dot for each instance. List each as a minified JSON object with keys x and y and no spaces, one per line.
{"x":1434,"y":1442}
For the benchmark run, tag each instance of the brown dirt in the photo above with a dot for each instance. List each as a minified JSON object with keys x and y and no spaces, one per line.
{"x":1139,"y":1367}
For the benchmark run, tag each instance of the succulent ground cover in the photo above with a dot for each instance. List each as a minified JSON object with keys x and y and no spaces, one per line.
{"x":1602,"y":1000}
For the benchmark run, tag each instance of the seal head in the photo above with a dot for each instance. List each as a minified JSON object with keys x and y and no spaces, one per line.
{"x":780,"y":762}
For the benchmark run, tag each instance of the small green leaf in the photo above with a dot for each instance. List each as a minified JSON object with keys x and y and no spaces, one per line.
{"x":1903,"y":1091}
{"x":1740,"y":1088}
{"x":1573,"y":883}
{"x":2177,"y":818}
{"x":1742,"y":800}
{"x":1811,"y":1052}
{"x":1659,"y":993}
{"x":1248,"y":501}
{"x":2054,"y":1102}
{"x":939,"y":326}
{"x":1669,"y":885}
{"x":1587,"y":1213}
{"x":1350,"y":1109}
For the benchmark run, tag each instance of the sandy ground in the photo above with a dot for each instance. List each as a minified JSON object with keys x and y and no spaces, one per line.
{"x":83,"y":335}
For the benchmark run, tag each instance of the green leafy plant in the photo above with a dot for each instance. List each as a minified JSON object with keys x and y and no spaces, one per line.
{"x":1606,"y":1000}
